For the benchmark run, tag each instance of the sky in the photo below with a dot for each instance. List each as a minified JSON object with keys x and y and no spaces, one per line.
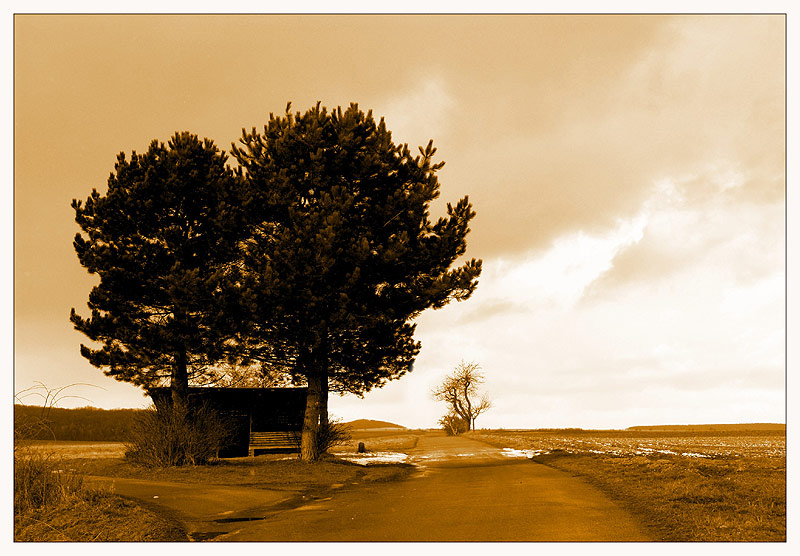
{"x":628,"y":174}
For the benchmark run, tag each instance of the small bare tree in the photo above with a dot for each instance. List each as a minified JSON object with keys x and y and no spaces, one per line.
{"x":459,"y":390}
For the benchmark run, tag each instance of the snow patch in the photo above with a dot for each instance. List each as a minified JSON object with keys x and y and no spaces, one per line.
{"x":514,"y":453}
{"x":373,"y":457}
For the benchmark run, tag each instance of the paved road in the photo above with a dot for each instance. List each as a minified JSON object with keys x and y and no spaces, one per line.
{"x":463,"y":491}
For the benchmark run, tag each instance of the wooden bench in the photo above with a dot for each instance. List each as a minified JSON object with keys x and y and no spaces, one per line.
{"x":274,"y":440}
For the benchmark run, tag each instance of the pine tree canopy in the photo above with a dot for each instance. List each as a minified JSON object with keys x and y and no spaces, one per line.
{"x":342,"y":254}
{"x":163,"y":241}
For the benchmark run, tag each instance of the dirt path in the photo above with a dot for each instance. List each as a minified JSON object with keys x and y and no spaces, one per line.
{"x":464,"y":491}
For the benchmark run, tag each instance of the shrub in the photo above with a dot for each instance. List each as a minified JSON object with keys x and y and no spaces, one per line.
{"x":176,"y":434}
{"x":453,"y":424}
{"x":334,"y":433}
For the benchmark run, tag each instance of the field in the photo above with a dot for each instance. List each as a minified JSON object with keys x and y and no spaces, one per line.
{"x":379,"y":440}
{"x":77,"y":449}
{"x":683,"y":485}
{"x":697,"y":444}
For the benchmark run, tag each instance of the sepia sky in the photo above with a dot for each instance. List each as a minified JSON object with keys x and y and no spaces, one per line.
{"x":627,"y":173}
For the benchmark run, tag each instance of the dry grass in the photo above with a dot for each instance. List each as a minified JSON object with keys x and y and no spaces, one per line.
{"x":40,"y":482}
{"x":95,"y":516}
{"x":381,"y":441}
{"x":74,"y":449}
{"x":53,"y":503}
{"x":711,"y":495}
{"x":275,"y":472}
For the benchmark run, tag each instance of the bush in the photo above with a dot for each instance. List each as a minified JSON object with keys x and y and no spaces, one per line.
{"x":176,"y":434}
{"x":334,"y":433}
{"x":453,"y":424}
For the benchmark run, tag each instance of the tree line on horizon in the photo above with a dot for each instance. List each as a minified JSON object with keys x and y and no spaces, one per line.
{"x":82,"y":423}
{"x":305,"y":264}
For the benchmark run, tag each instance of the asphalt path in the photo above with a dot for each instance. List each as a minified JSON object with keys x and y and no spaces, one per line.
{"x":462,"y":490}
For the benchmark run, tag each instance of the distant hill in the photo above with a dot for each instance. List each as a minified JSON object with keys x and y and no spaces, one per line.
{"x":721,"y":427}
{"x":361,"y":424}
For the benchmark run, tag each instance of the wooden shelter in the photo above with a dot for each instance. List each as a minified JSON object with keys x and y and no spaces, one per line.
{"x":261,"y":418}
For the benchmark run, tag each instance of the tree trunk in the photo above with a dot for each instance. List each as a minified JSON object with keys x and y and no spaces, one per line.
{"x":462,"y":413}
{"x":308,"y":440}
{"x":323,"y":402}
{"x":468,"y":410}
{"x":180,"y":378}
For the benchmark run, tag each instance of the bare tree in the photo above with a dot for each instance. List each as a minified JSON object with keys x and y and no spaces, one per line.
{"x":459,"y":390}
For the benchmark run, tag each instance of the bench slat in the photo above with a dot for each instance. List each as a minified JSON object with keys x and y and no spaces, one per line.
{"x":272,"y":440}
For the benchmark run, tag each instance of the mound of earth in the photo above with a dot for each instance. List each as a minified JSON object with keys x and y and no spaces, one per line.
{"x":360,"y":424}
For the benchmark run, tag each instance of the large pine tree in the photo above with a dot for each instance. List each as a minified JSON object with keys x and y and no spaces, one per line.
{"x":163,"y":240}
{"x":343,"y":255}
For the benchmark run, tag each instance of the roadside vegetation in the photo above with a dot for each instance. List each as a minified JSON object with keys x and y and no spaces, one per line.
{"x":270,"y":471}
{"x":176,"y":435}
{"x":329,"y":435}
{"x":53,"y":502}
{"x":683,"y":486}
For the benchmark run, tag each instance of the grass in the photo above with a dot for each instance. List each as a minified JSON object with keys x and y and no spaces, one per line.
{"x":275,"y":472}
{"x":73,"y":449}
{"x":95,"y":516}
{"x":39,"y":482}
{"x":391,"y":442}
{"x":712,"y":496}
{"x":54,"y":503}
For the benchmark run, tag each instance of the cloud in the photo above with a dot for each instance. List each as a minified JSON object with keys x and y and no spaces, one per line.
{"x":702,"y":223}
{"x":706,"y":98}
{"x":680,"y":303}
{"x":420,"y":113}
{"x":553,"y":278}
